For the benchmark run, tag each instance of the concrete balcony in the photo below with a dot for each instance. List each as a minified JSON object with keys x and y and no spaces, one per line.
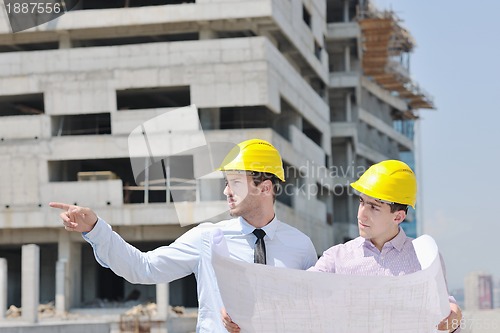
{"x":384,"y":94}
{"x":297,"y":152}
{"x":141,"y":20}
{"x":404,"y":142}
{"x":219,"y":73}
{"x":281,"y":20}
{"x":343,"y":130}
{"x":124,"y":122}
{"x":34,"y":127}
{"x":85,"y":193}
{"x":78,"y":147}
{"x":343,"y":30}
{"x":355,"y":79}
{"x":344,"y":79}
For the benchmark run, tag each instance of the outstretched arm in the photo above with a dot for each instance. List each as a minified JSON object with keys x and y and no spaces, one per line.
{"x":164,"y":264}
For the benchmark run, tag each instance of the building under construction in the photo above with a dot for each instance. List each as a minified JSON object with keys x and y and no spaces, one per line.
{"x":326,"y":82}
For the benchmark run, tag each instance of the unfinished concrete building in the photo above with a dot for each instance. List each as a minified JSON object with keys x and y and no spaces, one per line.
{"x":316,"y":78}
{"x":373,"y":101}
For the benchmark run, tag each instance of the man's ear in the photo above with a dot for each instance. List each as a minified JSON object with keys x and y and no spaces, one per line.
{"x":266,"y":186}
{"x":400,"y":216}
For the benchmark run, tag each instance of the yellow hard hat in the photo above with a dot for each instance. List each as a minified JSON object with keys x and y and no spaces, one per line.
{"x":391,"y":180}
{"x":254,"y":155}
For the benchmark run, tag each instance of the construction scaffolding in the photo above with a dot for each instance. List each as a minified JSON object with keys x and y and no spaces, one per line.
{"x":385,"y":50}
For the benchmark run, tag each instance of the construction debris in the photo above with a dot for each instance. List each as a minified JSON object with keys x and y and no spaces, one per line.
{"x":13,"y":312}
{"x":44,"y":311}
{"x":179,"y":310}
{"x":149,"y":309}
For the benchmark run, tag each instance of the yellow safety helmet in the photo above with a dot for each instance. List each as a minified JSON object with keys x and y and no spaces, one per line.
{"x":254,"y":155}
{"x":392,"y":181}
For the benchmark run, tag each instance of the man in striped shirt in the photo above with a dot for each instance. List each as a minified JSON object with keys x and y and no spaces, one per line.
{"x":385,"y":191}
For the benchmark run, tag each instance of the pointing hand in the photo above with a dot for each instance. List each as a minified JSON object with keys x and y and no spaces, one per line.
{"x":76,"y":218}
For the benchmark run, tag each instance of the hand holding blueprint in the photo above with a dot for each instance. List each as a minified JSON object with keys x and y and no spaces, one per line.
{"x":264,"y":299}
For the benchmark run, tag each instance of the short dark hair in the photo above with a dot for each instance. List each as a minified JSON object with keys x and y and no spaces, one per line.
{"x":259,"y":177}
{"x":397,"y":207}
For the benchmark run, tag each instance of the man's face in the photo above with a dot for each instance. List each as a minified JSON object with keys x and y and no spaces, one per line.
{"x":241,"y":193}
{"x":376,"y":222}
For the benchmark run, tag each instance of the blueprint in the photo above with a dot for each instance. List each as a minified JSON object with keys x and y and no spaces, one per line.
{"x":264,"y":299}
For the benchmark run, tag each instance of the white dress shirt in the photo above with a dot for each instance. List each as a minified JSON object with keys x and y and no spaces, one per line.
{"x":191,"y":253}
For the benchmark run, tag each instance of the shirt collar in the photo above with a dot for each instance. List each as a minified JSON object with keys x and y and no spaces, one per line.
{"x":270,"y":228}
{"x":397,"y":242}
{"x":359,"y":241}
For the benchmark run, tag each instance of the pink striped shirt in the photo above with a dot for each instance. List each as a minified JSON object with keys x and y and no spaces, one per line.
{"x":360,"y":257}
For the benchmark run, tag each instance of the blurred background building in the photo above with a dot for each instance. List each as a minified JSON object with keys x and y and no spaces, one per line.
{"x":482,"y":314}
{"x":478,"y":291}
{"x":326,"y":82}
{"x":496,"y":293}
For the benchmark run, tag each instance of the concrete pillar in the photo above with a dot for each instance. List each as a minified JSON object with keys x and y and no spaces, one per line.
{"x":162,"y":300}
{"x":3,"y":287}
{"x":347,"y":58}
{"x":68,"y":273}
{"x":61,"y":304}
{"x":30,"y":282}
{"x":346,"y":10}
{"x":348,"y":108}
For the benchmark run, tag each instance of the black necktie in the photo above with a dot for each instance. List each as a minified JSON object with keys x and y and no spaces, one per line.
{"x":259,"y":254}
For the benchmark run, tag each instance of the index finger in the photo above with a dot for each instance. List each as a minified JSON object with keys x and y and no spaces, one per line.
{"x":60,"y":205}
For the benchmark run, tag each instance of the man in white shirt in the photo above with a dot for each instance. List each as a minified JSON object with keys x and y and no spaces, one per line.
{"x":251,"y":171}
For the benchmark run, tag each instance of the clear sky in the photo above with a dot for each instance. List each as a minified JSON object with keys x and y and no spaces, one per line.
{"x":457,"y":61}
